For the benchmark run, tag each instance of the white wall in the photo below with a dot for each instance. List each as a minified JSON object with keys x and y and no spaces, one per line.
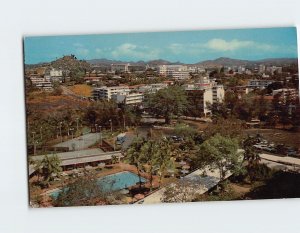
{"x":31,"y":17}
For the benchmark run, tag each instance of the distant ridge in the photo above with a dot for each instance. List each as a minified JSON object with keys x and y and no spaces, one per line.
{"x":221,"y":61}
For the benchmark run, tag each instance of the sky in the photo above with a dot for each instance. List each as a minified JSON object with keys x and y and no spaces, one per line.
{"x":184,"y":46}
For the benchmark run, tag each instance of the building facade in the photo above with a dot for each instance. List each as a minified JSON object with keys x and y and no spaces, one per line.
{"x":107,"y":92}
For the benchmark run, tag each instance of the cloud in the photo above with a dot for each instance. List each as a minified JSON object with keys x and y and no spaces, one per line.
{"x":134,"y":51}
{"x":232,"y":45}
{"x":223,"y":45}
{"x":82,"y":51}
{"x":77,"y":45}
{"x":219,"y":45}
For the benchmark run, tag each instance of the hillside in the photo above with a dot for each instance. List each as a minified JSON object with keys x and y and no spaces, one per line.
{"x":225,"y":61}
{"x":70,"y":63}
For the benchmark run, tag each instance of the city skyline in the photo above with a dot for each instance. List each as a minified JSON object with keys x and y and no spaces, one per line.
{"x":183,"y":46}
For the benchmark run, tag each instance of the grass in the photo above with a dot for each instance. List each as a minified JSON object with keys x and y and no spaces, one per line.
{"x":81,"y":89}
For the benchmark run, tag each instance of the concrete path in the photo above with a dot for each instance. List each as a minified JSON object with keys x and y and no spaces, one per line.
{"x":200,"y":185}
{"x":284,"y":160}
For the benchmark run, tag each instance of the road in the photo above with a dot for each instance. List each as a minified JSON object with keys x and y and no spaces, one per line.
{"x":283,"y":160}
{"x":67,"y":91}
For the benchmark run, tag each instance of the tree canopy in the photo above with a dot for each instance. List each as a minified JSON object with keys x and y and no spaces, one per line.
{"x":219,"y":152}
{"x":167,"y":102}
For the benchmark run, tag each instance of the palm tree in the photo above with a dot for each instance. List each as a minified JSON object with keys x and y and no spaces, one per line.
{"x":48,"y":167}
{"x":251,"y":156}
{"x":163,"y":158}
{"x":134,"y":156}
{"x":149,"y":153}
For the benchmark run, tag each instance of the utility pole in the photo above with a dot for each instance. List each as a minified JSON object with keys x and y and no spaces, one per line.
{"x":33,"y":138}
{"x":100,"y":135}
{"x":124,"y":124}
{"x":41,"y":133}
{"x":77,"y":119}
{"x":110,"y":125}
{"x":60,"y":123}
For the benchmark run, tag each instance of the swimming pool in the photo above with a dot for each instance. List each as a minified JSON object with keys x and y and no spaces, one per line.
{"x":114,"y":182}
{"x":119,"y":181}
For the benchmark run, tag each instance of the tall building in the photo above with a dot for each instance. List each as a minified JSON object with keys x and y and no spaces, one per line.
{"x":218,"y":94}
{"x":199,"y":98}
{"x":120,"y":67}
{"x":106,"y":93}
{"x":261,"y":69}
{"x":179,"y":72}
{"x":259,"y":84}
{"x":128,"y":98}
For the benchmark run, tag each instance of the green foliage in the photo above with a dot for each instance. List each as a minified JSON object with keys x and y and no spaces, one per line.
{"x":183,"y":190}
{"x":48,"y":168}
{"x":230,"y":127}
{"x":153,"y":156}
{"x":185,"y":130}
{"x":85,"y":191}
{"x":221,"y":153}
{"x":167,"y":102}
{"x":251,"y":156}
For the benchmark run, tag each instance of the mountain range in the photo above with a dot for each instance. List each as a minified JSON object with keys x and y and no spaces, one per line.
{"x":222,"y":61}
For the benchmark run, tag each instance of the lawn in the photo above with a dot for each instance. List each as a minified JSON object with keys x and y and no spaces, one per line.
{"x":81,"y":89}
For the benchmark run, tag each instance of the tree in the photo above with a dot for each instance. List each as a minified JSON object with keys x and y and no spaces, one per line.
{"x":48,"y":168}
{"x":230,"y":127}
{"x":149,"y":152}
{"x":164,"y":159}
{"x":167,"y":102}
{"x":219,"y":152}
{"x":135,"y":156}
{"x":251,"y":156}
{"x":184,"y":190}
{"x":85,"y":191}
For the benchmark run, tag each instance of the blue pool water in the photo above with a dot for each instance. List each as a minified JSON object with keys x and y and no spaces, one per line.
{"x":113,"y":182}
{"x":119,"y":181}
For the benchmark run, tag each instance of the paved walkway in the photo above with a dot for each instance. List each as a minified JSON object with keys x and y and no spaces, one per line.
{"x":279,"y":159}
{"x":200,"y":184}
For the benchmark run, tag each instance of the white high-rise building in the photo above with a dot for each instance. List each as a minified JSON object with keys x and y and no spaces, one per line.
{"x":176,"y":71}
{"x":107,"y":92}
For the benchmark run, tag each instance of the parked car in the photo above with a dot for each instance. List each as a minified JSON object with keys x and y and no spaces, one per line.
{"x":176,"y":138}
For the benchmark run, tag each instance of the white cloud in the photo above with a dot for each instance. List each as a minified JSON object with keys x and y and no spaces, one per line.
{"x":134,"y":51}
{"x":219,"y":45}
{"x":82,"y":51}
{"x":99,"y":51}
{"x":223,"y":45}
{"x":232,"y":45}
{"x":77,"y":45}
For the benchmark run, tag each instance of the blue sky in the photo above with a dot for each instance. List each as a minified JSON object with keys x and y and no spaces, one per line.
{"x":183,"y":46}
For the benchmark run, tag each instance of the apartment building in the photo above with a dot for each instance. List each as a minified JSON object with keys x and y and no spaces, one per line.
{"x":106,"y":93}
{"x":152,"y":88}
{"x":218,"y":94}
{"x":198,"y":100}
{"x":120,"y":67}
{"x":199,"y":97}
{"x":129,"y":98}
{"x":42,"y":83}
{"x":179,"y":72}
{"x":287,"y":93}
{"x":259,"y":84}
